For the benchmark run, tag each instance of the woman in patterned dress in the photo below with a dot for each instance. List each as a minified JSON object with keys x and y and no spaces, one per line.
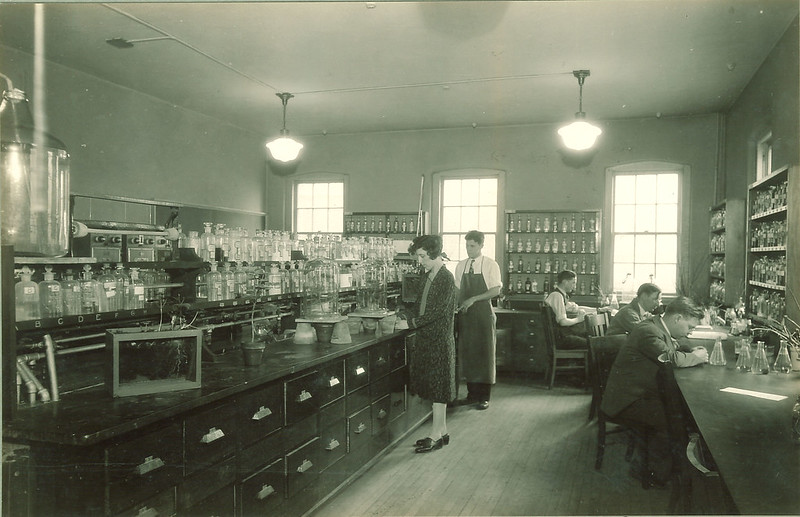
{"x":433,"y":355}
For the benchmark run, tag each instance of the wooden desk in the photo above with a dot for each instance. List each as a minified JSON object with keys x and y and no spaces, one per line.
{"x":750,"y":438}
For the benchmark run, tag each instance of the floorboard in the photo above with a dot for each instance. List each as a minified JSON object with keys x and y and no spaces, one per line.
{"x":531,"y":453}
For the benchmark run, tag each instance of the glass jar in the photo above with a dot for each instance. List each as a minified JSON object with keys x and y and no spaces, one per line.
{"x":321,"y":281}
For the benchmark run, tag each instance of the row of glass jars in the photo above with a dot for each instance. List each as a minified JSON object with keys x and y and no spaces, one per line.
{"x":767,"y":304}
{"x":718,"y":219}
{"x":765,"y":235}
{"x":551,"y":224}
{"x":770,"y":270}
{"x":770,"y":198}
{"x":528,"y":246}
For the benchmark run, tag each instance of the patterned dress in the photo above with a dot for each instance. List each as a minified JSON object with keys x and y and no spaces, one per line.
{"x":433,"y":351}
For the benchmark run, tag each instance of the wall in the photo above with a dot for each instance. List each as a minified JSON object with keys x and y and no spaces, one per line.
{"x":126,"y":143}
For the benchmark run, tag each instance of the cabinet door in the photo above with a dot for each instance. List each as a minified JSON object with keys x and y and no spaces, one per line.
{"x":302,"y":466}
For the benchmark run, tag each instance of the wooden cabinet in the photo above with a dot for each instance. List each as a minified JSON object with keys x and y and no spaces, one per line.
{"x":725,"y":243}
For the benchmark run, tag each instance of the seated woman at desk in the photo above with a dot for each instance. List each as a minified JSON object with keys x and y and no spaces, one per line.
{"x":569,"y":316}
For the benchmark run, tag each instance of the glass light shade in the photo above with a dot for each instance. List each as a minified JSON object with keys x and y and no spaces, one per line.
{"x":284,"y":149}
{"x":579,"y":135}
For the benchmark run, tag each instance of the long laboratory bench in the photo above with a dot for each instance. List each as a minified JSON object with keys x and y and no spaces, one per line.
{"x":272,"y":439}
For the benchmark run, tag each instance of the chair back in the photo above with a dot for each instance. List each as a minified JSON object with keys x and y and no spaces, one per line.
{"x":602,"y":353}
{"x":596,"y":324}
{"x":549,"y":326}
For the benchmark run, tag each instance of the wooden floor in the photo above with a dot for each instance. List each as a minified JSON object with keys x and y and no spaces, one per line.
{"x":531,"y":453}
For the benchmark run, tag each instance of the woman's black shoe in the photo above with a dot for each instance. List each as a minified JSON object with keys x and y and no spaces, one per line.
{"x":423,"y":441}
{"x":430,"y":445}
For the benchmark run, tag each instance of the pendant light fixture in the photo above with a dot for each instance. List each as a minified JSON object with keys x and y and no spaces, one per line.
{"x":284,"y":149}
{"x":580,"y":135}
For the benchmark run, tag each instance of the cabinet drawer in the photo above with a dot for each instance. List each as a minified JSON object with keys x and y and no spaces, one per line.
{"x":330,"y":382}
{"x":301,"y":432}
{"x":357,"y":370}
{"x":379,"y":388}
{"x":263,"y":492}
{"x":158,"y":505}
{"x":221,"y":503}
{"x":397,"y":354}
{"x":302,"y":398}
{"x":144,"y":466}
{"x":210,"y":436}
{"x":332,"y":413}
{"x":359,"y":430}
{"x":302,"y":466}
{"x":333,"y":443}
{"x":379,"y":364}
{"x":397,"y":392}
{"x":357,"y":400}
{"x":380,"y":414}
{"x":262,"y":452}
{"x":260,"y":412}
{"x":210,"y":480}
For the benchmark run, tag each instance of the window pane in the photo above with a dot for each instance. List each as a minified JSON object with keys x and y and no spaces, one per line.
{"x":303,"y":219}
{"x":488,"y":191}
{"x":320,"y":194}
{"x":665,"y":277}
{"x":488,"y":245}
{"x":336,"y":192}
{"x":336,"y":220}
{"x":645,"y":218}
{"x":452,"y":244}
{"x":469,"y":219}
{"x":451,"y":192}
{"x":667,"y":218}
{"x":624,"y":189}
{"x":320,"y":220}
{"x":304,"y":195}
{"x":621,"y":271}
{"x":470,"y":192}
{"x":641,"y":274}
{"x":624,"y":218}
{"x":487,"y":219}
{"x":623,"y":248}
{"x":645,"y":249}
{"x":451,"y":217}
{"x":666,"y":248}
{"x":667,"y":188}
{"x":646,"y":188}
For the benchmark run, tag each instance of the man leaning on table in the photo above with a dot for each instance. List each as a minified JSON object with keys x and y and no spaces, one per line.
{"x":632,"y":391}
{"x":648,"y":297}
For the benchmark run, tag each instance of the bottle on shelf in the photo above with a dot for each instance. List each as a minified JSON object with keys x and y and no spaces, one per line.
{"x":554,"y":246}
{"x":520,"y":246}
{"x":134,"y":293}
{"x":123,"y":280}
{"x":537,"y":267}
{"x":537,"y":248}
{"x":51,"y":301}
{"x":207,"y":244}
{"x":573,"y":225}
{"x":519,"y":285}
{"x":538,"y":226}
{"x":547,"y":265}
{"x":108,"y":282}
{"x":547,"y":224}
{"x":241,"y":283}
{"x":92,"y":294}
{"x":528,"y":285}
{"x":26,"y":297}
{"x":528,"y":246}
{"x":546,"y":246}
{"x":510,"y":224}
{"x":511,"y":245}
{"x":564,"y":225}
{"x":71,"y":294}
{"x":528,"y":224}
{"x":520,"y":267}
{"x":214,"y":284}
{"x":510,"y":265}
{"x":528,"y":266}
{"x":228,"y":282}
{"x":534,"y":286}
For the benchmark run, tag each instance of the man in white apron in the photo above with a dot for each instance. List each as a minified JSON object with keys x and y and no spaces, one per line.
{"x":478,"y":281}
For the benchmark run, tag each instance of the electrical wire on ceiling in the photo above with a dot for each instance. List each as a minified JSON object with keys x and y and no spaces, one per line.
{"x":331,"y":90}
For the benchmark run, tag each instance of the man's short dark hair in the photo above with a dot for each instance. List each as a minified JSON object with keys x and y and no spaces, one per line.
{"x":685,"y":307}
{"x":474,"y":236}
{"x":648,"y":288}
{"x":565,"y":275}
{"x":432,"y":244}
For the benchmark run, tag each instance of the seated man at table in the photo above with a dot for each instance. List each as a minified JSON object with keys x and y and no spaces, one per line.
{"x":633,"y":392}
{"x":648,"y":297}
{"x":569,"y":316}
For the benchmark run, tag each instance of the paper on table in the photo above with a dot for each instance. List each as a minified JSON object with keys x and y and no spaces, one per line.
{"x":758,"y":394}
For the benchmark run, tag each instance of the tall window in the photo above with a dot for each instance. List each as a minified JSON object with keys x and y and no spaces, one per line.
{"x":319,"y":207}
{"x":764,"y":156}
{"x":645,"y":230}
{"x":468,"y":204}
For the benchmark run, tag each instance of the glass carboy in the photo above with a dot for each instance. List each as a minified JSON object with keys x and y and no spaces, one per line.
{"x":370,"y":277}
{"x":321,"y":280}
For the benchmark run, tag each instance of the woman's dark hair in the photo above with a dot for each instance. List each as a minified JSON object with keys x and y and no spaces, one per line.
{"x":567,"y":274}
{"x":432,"y":244}
{"x":474,"y":236}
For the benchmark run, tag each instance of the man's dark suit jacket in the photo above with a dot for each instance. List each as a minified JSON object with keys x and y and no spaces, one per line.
{"x":625,"y":319}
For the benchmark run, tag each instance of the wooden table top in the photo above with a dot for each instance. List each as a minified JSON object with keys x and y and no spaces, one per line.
{"x":750,"y":438}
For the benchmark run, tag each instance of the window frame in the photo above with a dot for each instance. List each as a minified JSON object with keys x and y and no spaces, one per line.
{"x":317,"y":177}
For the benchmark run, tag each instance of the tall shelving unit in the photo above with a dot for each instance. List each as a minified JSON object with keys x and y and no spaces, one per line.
{"x":772,"y":231}
{"x":726,"y":245}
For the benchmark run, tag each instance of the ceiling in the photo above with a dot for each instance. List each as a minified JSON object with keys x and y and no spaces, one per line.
{"x":393,"y":66}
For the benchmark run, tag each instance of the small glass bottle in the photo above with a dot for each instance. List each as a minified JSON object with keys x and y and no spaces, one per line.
{"x":241,"y":285}
{"x":71,"y":294}
{"x":134,"y":292}
{"x":760,"y":364}
{"x":783,"y":363}
{"x":51,"y":301}
{"x":26,"y":297}
{"x":123,"y":280}
{"x":108,"y":282}
{"x":228,"y":282}
{"x":92,"y":294}
{"x":744,"y":360}
{"x":214,"y":283}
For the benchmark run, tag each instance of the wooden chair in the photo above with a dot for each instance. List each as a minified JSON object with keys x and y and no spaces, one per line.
{"x":555,"y":353}
{"x":596,"y":326}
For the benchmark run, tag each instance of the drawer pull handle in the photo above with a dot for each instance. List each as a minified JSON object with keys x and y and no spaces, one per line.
{"x":334,"y":381}
{"x":360,"y":429}
{"x":262,"y":413}
{"x":304,"y":466}
{"x":360,"y":370}
{"x":265,"y":492}
{"x":332,"y":445}
{"x":398,"y":403}
{"x":304,"y":395}
{"x":212,"y":435}
{"x":380,"y":361}
{"x":149,"y":465}
{"x":146,"y":511}
{"x":382,"y":414}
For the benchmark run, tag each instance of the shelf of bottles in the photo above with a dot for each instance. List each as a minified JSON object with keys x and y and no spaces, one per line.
{"x":717,"y":242}
{"x":399,"y":225}
{"x":540,"y":244}
{"x":767,"y":246}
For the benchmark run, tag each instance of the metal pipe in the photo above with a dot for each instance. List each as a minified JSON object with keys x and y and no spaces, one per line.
{"x":50,"y":351}
{"x":32,"y":383}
